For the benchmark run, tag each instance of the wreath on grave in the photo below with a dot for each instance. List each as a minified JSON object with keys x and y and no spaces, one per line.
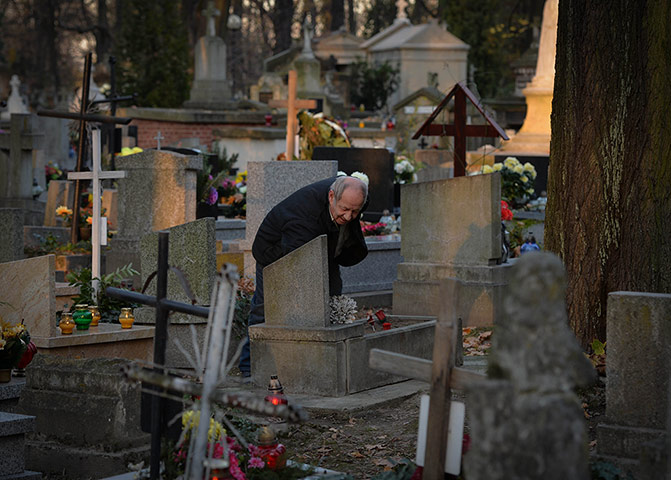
{"x":317,"y":131}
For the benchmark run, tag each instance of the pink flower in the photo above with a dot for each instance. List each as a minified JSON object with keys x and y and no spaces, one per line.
{"x":255,"y":462}
{"x":234,"y":467}
{"x":254,"y":450}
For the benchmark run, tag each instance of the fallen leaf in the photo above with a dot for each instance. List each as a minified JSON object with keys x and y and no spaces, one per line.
{"x":356,"y":454}
{"x":467,"y":330}
{"x":485,"y":335}
{"x":384,"y":462}
{"x":374,"y":447}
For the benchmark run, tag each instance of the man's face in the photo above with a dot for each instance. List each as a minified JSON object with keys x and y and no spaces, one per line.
{"x":348,"y":207}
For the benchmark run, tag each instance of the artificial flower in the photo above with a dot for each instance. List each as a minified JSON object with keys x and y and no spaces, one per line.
{"x":487,"y":169}
{"x":361,"y":176}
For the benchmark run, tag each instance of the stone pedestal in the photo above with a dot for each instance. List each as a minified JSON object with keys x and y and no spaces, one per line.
{"x":268,"y":184}
{"x":452,"y":229}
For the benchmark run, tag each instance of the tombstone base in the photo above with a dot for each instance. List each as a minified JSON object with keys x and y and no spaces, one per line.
{"x":416,"y":292}
{"x":33,"y":210}
{"x":332,"y":361}
{"x":625,"y":442}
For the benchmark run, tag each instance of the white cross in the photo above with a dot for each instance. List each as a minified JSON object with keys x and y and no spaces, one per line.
{"x":158,"y":139}
{"x":400,"y":5}
{"x":98,"y":223}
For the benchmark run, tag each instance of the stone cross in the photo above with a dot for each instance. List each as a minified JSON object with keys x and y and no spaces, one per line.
{"x":210,"y":12}
{"x":307,"y":39}
{"x":158,"y":139}
{"x":292,"y":105}
{"x":400,"y":5}
{"x":97,"y":175}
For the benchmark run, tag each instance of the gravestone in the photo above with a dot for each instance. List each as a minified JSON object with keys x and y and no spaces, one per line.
{"x":268,"y":183}
{"x":377,"y":163}
{"x":28,"y":290}
{"x":11,"y":234}
{"x":192,"y":248}
{"x":159,"y":192}
{"x":452,"y":229}
{"x":437,"y":165}
{"x":110,"y":202}
{"x":526,"y":420}
{"x":303,"y":348}
{"x":59,"y":192}
{"x":210,"y":89}
{"x":638,"y":401}
{"x":18,"y":152}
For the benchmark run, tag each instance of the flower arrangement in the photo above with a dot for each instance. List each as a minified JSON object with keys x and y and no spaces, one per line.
{"x":342,"y":309}
{"x":506,"y":213}
{"x":516,"y":179}
{"x":370,"y":229}
{"x":53,"y":172}
{"x":233,"y":195}
{"x":14,"y":340}
{"x":360,"y":175}
{"x":319,"y":130}
{"x":404,"y":170}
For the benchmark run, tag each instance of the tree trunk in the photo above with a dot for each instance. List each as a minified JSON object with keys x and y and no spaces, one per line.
{"x":282,"y":18}
{"x":351,"y":18}
{"x":337,"y":14}
{"x":610,"y":159}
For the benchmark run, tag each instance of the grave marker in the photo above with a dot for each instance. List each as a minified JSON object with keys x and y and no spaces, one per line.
{"x":292,"y":104}
{"x":99,"y":225}
{"x":11,"y":234}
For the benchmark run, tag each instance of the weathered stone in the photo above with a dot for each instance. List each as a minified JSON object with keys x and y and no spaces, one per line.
{"x":13,"y":427}
{"x":33,"y":236}
{"x":296,"y":287}
{"x":110,"y":202}
{"x":83,"y":404}
{"x":28,"y":290}
{"x":551,"y":359}
{"x":434,"y":158}
{"x":191,"y":249}
{"x":11,"y":234}
{"x":159,"y":192}
{"x":268,"y":184}
{"x":430,"y":174}
{"x":377,"y":271}
{"x":527,"y":423}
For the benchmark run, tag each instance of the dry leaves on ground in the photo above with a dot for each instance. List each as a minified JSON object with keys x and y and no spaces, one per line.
{"x":476,"y":341}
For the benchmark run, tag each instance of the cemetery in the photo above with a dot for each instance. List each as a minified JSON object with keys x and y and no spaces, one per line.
{"x":337,"y":240}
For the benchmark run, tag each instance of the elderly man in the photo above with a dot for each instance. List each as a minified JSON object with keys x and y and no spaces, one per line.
{"x":333,"y":207}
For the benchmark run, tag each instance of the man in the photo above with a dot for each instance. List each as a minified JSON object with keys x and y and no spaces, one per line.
{"x":333,"y":207}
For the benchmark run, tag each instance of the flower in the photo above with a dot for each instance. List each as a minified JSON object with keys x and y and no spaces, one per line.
{"x":497,"y":167}
{"x":516,"y":179}
{"x":63,"y":211}
{"x":487,"y":169}
{"x":255,"y":462}
{"x":89,"y":220}
{"x":404,"y":170}
{"x":14,"y":340}
{"x":361,"y":176}
{"x":506,"y":213}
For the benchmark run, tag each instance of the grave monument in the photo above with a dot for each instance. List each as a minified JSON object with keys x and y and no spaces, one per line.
{"x":298,"y":343}
{"x":452,"y":229}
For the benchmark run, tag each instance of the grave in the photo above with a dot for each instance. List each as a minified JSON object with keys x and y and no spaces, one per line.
{"x":638,"y":400}
{"x":13,"y":428}
{"x":19,"y":150}
{"x":452,"y":229}
{"x":304,"y":349}
{"x":86,"y":417}
{"x":525,"y":420}
{"x":377,"y":163}
{"x":268,"y":184}
{"x":30,"y":293}
{"x":159,"y":192}
{"x":192,"y":251}
{"x":11,"y":234}
{"x":375,"y":275}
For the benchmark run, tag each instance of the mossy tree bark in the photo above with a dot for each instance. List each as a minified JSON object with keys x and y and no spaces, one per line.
{"x":609,"y":189}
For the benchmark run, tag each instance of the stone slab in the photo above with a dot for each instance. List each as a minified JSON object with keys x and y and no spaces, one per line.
{"x":413,"y":340}
{"x":623,"y":441}
{"x":318,"y":368}
{"x":12,"y":389}
{"x":15,"y":424}
{"x":435,"y":228}
{"x":231,"y":229}
{"x":483,"y":289}
{"x":335,"y":333}
{"x":25,"y":475}
{"x":191,"y":249}
{"x":296,"y":287}
{"x":11,"y":234}
{"x":110,"y":205}
{"x":377,"y":271}
{"x":639,"y":359}
{"x":11,"y":453}
{"x":28,"y":289}
{"x":268,"y":184}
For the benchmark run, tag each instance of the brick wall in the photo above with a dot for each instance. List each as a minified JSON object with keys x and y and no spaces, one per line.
{"x":172,"y":132}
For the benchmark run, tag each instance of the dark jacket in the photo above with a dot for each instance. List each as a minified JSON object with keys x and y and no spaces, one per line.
{"x":301,"y":217}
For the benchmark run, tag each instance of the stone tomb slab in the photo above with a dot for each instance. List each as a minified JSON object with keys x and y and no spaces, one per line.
{"x":296,"y":287}
{"x":28,"y":289}
{"x":638,"y":397}
{"x":11,"y":234}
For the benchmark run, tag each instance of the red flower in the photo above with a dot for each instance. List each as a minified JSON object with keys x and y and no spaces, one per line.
{"x":506,"y":213}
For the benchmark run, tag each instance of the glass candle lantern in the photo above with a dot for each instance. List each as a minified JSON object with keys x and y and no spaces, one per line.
{"x":95,"y":313}
{"x":82,"y":317}
{"x":126,"y":318}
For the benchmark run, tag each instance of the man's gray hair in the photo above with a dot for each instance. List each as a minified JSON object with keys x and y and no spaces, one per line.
{"x":341,"y":183}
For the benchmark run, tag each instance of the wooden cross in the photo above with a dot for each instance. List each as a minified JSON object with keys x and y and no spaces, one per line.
{"x":292,"y":105}
{"x":440,"y":373}
{"x":83,"y":117}
{"x":459,"y":130}
{"x":97,"y":175}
